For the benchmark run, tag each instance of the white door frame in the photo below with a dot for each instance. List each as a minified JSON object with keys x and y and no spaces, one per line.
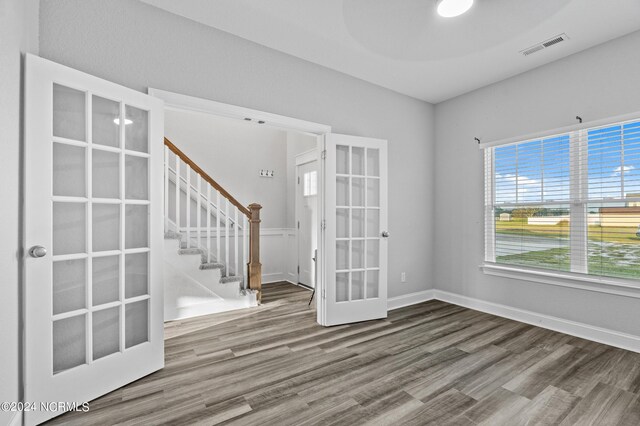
{"x":303,"y":158}
{"x":179,"y":102}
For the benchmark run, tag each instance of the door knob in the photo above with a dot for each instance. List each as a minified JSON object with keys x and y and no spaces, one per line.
{"x":385,"y":234}
{"x":37,"y":251}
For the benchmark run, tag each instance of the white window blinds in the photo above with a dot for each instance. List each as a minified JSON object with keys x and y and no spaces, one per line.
{"x":569,"y":202}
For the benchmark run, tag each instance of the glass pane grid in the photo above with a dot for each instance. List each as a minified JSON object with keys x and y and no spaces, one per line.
{"x":90,"y":243}
{"x":357,"y":223}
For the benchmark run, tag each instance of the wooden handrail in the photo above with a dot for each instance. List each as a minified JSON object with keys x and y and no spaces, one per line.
{"x":245,"y":211}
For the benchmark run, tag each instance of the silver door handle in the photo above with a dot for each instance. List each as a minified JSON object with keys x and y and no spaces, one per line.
{"x":37,"y":251}
{"x":385,"y":234}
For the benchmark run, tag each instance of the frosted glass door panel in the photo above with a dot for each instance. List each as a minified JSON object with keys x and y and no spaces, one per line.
{"x":357,"y":285}
{"x":106,"y":174}
{"x":373,"y":223}
{"x":373,"y":162}
{"x":136,"y":129}
{"x":106,"y":279}
{"x":357,"y":161}
{"x":69,"y":170}
{"x":342,"y":287}
{"x":136,"y":323}
{"x":105,"y":122}
{"x":342,"y":191}
{"x":342,"y":223}
{"x":342,"y":160}
{"x":372,"y":284}
{"x":69,"y":283}
{"x":106,"y":332}
{"x":69,"y":228}
{"x":136,"y":226}
{"x":106,"y":227}
{"x":357,"y":223}
{"x":69,"y":113}
{"x":136,"y":274}
{"x":137,"y":178}
{"x":69,"y":343}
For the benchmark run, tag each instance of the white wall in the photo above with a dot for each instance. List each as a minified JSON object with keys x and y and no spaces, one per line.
{"x":233,"y":153}
{"x":18,"y":34}
{"x":597,"y":83}
{"x":140,"y":46}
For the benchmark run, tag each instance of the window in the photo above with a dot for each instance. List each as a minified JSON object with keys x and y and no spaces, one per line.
{"x":570,"y":202}
{"x":310,"y":184}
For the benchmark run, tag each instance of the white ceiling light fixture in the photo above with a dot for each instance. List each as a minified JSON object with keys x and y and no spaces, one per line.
{"x":451,"y":8}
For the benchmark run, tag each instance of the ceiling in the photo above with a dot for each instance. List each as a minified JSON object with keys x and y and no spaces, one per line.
{"x":405,"y":46}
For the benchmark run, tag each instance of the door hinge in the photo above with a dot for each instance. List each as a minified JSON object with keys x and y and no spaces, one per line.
{"x":324,"y":293}
{"x":323,"y":155}
{"x":298,"y":180}
{"x":323,"y":224}
{"x":298,"y":224}
{"x":298,"y":269}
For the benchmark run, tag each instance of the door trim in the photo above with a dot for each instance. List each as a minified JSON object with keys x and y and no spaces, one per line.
{"x":179,"y":102}
{"x":302,"y":159}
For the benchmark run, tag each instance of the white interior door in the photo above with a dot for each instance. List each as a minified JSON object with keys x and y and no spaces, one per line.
{"x":355,"y":243}
{"x":93,"y":233}
{"x":307,"y":218}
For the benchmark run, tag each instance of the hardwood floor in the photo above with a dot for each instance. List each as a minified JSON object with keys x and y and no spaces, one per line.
{"x":432,"y":363}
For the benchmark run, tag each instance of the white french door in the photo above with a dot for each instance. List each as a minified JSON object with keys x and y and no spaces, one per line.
{"x":355,"y":235}
{"x":93,"y":236}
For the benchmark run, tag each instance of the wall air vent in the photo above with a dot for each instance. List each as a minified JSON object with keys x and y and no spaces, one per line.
{"x":545,"y":44}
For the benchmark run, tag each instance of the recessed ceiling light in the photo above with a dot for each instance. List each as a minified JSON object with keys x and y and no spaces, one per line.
{"x":126,"y":121}
{"x":451,"y":8}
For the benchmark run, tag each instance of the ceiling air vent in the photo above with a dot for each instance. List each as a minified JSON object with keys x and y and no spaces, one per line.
{"x":545,"y":44}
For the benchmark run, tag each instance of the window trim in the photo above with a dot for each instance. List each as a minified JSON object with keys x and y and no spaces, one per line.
{"x":609,"y":285}
{"x":579,"y":272}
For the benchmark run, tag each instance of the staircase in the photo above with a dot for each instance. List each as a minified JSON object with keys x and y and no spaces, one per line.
{"x":211,"y":259}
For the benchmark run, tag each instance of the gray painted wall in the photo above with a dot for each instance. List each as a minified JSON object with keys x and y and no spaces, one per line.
{"x":597,"y":83}
{"x":139,"y":46}
{"x":18,"y":34}
{"x":233,"y":153}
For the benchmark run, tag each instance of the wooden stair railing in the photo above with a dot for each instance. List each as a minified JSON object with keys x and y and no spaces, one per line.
{"x":252,"y":212}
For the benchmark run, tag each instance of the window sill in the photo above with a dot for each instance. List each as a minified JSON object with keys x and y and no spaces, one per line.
{"x":615,"y":286}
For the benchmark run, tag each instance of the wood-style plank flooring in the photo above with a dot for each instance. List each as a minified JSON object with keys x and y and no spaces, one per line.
{"x":432,"y":363}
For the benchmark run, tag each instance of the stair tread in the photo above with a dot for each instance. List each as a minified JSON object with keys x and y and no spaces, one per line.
{"x":190,"y":251}
{"x":211,"y":265}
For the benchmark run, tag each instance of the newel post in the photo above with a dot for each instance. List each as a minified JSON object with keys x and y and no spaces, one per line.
{"x":254,"y":266}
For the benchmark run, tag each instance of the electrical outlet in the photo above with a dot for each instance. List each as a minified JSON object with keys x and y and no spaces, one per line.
{"x":403,"y":277}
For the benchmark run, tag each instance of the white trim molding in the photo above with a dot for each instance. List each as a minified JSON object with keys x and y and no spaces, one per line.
{"x":584,"y":331}
{"x":410,"y":299}
{"x":614,"y":286}
{"x":572,"y":328}
{"x":183,"y":102}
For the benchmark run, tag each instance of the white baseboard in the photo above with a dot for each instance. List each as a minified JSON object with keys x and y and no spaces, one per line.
{"x":409,"y":299}
{"x":584,"y":331}
{"x":17,"y":419}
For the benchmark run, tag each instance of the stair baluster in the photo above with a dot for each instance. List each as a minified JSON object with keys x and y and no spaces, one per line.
{"x":243,"y":222}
